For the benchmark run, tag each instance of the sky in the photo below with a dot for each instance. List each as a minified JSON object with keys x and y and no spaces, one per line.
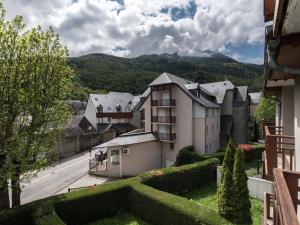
{"x":129,"y":28}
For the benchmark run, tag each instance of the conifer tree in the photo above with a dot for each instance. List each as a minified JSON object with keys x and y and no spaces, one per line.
{"x":228,"y":161}
{"x":242,"y":204}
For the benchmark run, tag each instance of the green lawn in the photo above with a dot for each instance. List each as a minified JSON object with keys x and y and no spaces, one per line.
{"x":122,"y":219}
{"x":208,"y":196}
{"x":251,"y":168}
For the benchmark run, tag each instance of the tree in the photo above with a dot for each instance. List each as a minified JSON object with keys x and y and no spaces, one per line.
{"x":266,"y":109}
{"x":225,"y":189}
{"x":242,"y":204}
{"x":255,"y":132}
{"x":35,"y":80}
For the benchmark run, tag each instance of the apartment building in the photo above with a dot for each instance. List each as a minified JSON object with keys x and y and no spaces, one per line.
{"x":282,"y":70}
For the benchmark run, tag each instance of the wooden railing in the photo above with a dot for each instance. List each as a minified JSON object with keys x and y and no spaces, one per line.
{"x":284,"y":203}
{"x":163,"y":119}
{"x":165,"y":136}
{"x":279,"y":151}
{"x":164,"y":102}
{"x":115,"y":115}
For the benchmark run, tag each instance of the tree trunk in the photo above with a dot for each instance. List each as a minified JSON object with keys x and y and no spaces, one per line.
{"x":15,"y":191}
{"x":4,"y":197}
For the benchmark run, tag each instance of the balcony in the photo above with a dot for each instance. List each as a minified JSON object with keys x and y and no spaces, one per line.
{"x":281,"y":208}
{"x":279,"y":151}
{"x":165,"y":136}
{"x":164,"y":103}
{"x":115,"y":115}
{"x":164,"y":119}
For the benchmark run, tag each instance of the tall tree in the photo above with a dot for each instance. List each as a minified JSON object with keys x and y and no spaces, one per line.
{"x":228,"y":161}
{"x":242,"y":204}
{"x":266,"y":109}
{"x":34,"y":83}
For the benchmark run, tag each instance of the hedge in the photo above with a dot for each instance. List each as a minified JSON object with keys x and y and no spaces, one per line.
{"x":152,"y":205}
{"x":186,"y":156}
{"x":161,"y":208}
{"x":178,"y":180}
{"x":219,"y":155}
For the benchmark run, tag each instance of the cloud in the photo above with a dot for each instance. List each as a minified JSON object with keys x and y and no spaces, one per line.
{"x":134,"y":27}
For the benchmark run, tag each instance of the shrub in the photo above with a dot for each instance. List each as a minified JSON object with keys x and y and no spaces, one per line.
{"x":178,"y":180}
{"x":252,"y":152}
{"x":219,"y":155}
{"x":242,"y":204}
{"x":187,"y":156}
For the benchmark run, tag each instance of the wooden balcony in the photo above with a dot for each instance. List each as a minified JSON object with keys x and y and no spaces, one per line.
{"x":164,"y":119}
{"x":279,"y":151}
{"x":164,"y":102}
{"x":281,"y":208}
{"x":165,"y":136}
{"x":114,"y":115}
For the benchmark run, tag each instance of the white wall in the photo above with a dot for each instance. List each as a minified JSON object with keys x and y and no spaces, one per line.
{"x":287,"y":110}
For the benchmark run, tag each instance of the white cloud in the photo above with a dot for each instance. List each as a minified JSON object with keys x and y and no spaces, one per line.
{"x":140,"y":27}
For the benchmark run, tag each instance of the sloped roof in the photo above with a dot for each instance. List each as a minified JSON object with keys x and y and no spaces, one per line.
{"x":167,"y":78}
{"x":129,"y":139}
{"x":255,"y":97}
{"x":218,"y":89}
{"x":112,"y":99}
{"x":77,"y":105}
{"x":72,"y":127}
{"x":103,"y":127}
{"x":84,"y":124}
{"x":241,"y":94}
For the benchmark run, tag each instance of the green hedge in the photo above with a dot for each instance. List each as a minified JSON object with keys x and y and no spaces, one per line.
{"x":178,"y":180}
{"x":219,"y":155}
{"x":161,"y":208}
{"x":187,"y":156}
{"x":257,"y":150}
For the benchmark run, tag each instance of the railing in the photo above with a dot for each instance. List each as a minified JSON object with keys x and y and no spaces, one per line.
{"x":164,"y":102}
{"x":163,"y":119}
{"x":95,"y":165}
{"x":279,"y":151}
{"x":165,"y":136}
{"x":114,"y":115}
{"x":284,"y":203}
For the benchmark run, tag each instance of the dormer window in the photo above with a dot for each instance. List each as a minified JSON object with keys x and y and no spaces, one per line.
{"x":100,"y":108}
{"x":118,"y":108}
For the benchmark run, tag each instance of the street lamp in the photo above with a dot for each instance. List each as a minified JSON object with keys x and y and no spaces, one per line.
{"x":90,"y":134}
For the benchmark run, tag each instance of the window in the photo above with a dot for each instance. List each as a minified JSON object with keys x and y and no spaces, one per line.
{"x":115,"y":157}
{"x":172,"y":146}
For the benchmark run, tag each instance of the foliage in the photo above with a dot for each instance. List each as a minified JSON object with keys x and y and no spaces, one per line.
{"x":178,"y":180}
{"x":187,"y":156}
{"x":35,"y":80}
{"x":240,"y":193}
{"x":266,"y":109}
{"x":228,"y":161}
{"x":100,"y":71}
{"x":219,"y":155}
{"x":208,"y":196}
{"x":255,"y":132}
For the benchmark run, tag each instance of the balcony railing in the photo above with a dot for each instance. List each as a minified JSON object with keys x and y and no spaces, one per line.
{"x":115,"y":115}
{"x":279,"y":151}
{"x":281,"y":208}
{"x":164,"y":102}
{"x":165,"y":136}
{"x":163,"y":119}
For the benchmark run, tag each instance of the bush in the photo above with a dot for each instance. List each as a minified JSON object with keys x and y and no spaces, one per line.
{"x":161,"y":208}
{"x":219,"y":155}
{"x":252,"y":152}
{"x":178,"y":180}
{"x":187,"y":156}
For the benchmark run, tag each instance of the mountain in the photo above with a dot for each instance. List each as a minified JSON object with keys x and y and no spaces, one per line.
{"x":110,"y":73}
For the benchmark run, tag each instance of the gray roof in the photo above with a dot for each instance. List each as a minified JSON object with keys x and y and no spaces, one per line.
{"x":112,"y":99}
{"x":241,"y":94}
{"x":77,"y":105}
{"x":255,"y":97}
{"x":125,"y":127}
{"x":84,"y":124}
{"x":167,"y":78}
{"x":218,"y":89}
{"x":128,"y":139}
{"x":72,"y":128}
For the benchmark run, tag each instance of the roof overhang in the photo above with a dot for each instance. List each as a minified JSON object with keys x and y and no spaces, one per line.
{"x":269,"y":7}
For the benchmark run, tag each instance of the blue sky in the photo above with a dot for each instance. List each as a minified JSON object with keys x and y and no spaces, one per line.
{"x":132,"y":27}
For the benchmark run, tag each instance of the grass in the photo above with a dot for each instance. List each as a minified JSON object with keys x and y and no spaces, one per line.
{"x":121,"y":219}
{"x":251,"y":168}
{"x":208,"y":196}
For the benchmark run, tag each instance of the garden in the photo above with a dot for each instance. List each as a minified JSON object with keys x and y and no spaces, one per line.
{"x":178,"y":195}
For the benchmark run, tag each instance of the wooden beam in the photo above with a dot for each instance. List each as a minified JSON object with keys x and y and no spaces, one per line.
{"x":269,"y":8}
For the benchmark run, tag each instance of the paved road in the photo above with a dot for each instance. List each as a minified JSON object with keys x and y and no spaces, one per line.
{"x":53,"y":179}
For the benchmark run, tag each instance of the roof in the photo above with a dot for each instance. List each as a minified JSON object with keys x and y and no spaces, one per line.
{"x":84,"y":124}
{"x":225,"y":124}
{"x":103,"y":127}
{"x":129,"y":139}
{"x":72,"y":128}
{"x":218,"y":89}
{"x":112,"y":99}
{"x":167,"y":78}
{"x":255,"y":97}
{"x":242,"y":93}
{"x":77,"y":105}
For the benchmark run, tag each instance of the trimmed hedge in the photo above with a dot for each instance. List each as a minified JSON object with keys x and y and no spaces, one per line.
{"x":187,"y":156}
{"x":161,"y":208}
{"x":219,"y":155}
{"x":178,"y":180}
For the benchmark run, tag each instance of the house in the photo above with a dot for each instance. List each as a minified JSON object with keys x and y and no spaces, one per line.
{"x":175,"y":113}
{"x":282,"y":79}
{"x":254,"y":101}
{"x":234,"y":103}
{"x":112,"y":114}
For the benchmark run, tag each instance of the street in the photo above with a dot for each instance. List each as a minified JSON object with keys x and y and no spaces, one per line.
{"x":54,"y":179}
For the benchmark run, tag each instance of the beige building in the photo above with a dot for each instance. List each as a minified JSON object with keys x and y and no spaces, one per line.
{"x":282,"y":79}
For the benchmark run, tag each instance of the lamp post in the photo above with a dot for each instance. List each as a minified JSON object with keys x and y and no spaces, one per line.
{"x":90,"y":135}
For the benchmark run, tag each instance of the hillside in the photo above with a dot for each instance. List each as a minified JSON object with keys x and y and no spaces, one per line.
{"x":106,"y":72}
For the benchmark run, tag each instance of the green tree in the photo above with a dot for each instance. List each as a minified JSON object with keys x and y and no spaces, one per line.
{"x":266,"y":109}
{"x":35,"y":80}
{"x":228,"y":161}
{"x":242,"y":204}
